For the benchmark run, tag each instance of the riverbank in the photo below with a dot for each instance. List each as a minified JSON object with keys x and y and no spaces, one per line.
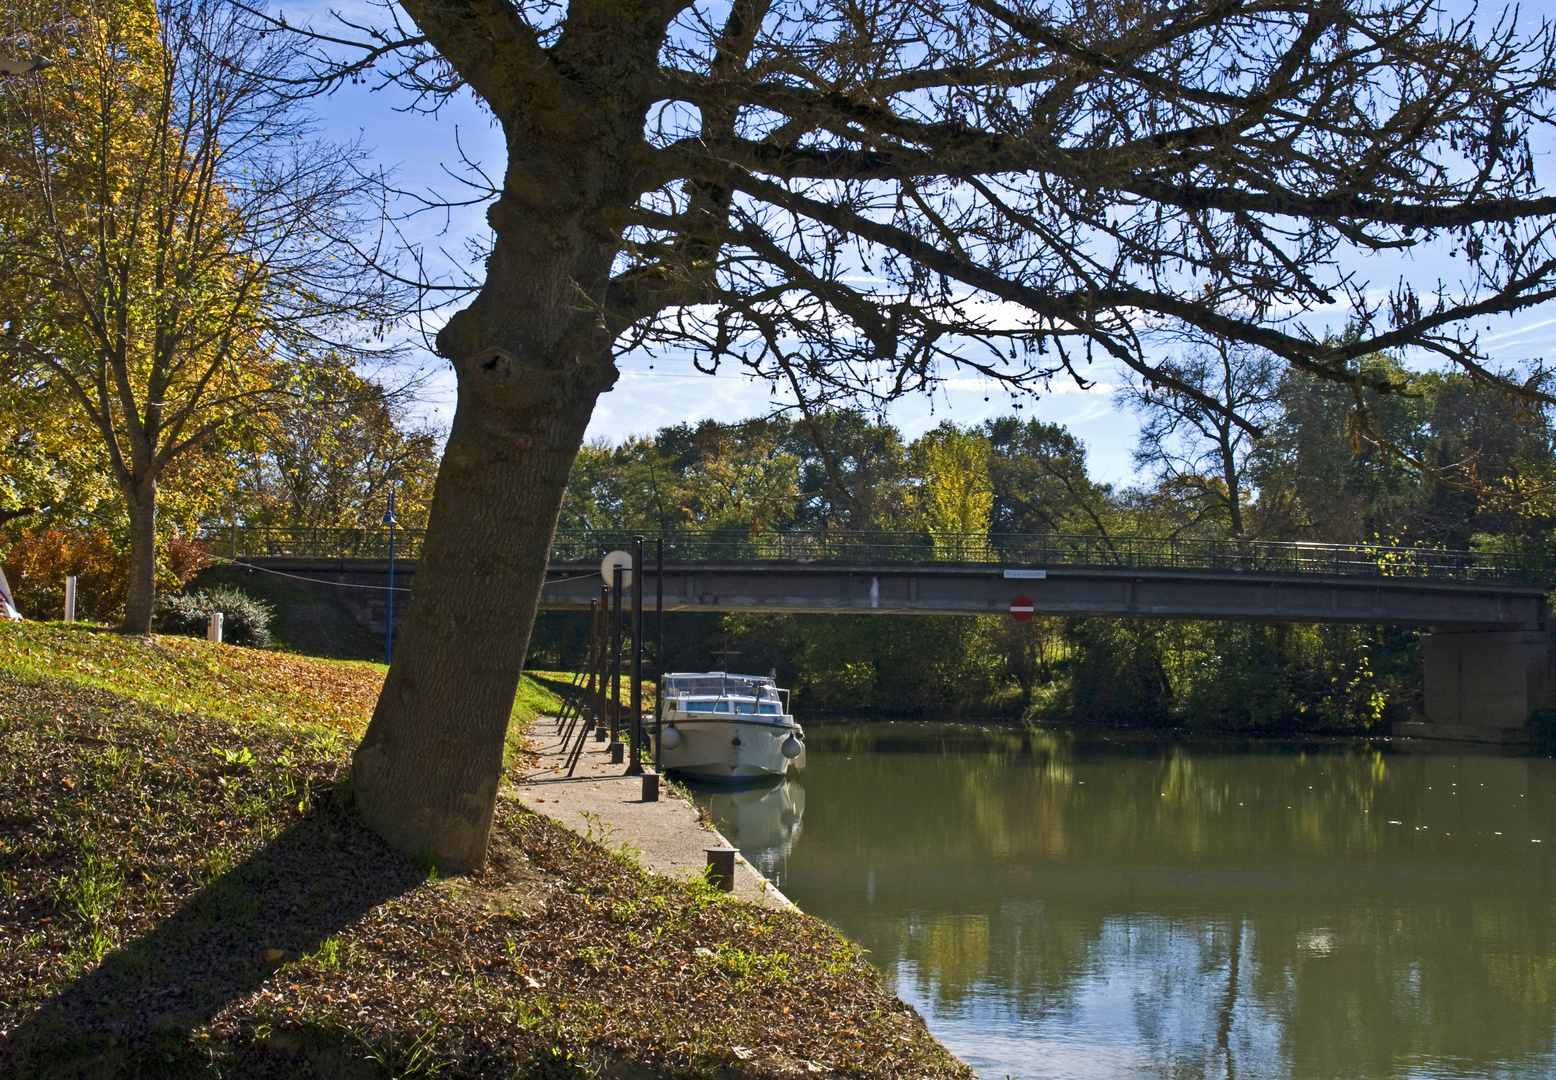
{"x":667,"y":836}
{"x":186,"y":893}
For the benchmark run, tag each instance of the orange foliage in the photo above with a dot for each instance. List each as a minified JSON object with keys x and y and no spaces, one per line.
{"x":39,"y":562}
{"x":184,"y":555}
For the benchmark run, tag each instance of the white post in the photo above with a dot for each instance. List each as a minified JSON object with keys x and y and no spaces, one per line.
{"x":214,"y":630}
{"x":70,"y":598}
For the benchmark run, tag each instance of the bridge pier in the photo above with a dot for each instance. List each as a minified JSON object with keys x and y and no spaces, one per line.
{"x":1481,"y":687}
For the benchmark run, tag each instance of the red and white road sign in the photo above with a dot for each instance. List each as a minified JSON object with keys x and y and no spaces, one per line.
{"x":1021,"y":608}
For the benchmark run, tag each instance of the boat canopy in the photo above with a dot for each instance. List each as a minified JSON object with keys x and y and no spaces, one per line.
{"x":714,"y":682}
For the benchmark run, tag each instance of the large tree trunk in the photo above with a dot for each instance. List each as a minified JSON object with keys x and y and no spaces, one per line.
{"x":141,"y":597}
{"x":533,"y":362}
{"x":532,"y":354}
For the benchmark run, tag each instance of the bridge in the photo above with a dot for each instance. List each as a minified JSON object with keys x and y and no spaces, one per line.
{"x":1488,"y":658}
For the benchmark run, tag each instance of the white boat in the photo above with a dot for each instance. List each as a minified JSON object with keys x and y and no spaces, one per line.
{"x":726,"y":729}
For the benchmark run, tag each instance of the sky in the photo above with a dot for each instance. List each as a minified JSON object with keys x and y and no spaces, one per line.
{"x":424,"y":154}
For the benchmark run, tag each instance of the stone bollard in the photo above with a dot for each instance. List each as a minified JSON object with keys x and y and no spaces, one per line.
{"x":650,"y":787}
{"x":213,"y":629}
{"x":721,"y":867}
{"x":70,"y":598}
{"x":618,"y":752}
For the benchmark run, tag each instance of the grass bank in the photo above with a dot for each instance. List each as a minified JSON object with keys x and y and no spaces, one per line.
{"x":184,"y":891}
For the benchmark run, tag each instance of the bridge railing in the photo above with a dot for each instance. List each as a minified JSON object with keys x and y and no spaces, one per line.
{"x":882,"y":548}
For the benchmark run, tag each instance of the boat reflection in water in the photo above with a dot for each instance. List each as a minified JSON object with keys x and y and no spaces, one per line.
{"x":763,"y":822}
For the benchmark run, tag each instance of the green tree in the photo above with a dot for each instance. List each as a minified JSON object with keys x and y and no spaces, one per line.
{"x":1038,"y":476}
{"x":1335,"y":463}
{"x":330,"y":451}
{"x":853,"y":472}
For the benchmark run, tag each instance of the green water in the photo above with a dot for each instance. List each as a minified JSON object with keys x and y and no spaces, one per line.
{"x":1078,"y":908}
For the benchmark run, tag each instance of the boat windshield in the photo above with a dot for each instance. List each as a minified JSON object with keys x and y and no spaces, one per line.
{"x":738,"y":706}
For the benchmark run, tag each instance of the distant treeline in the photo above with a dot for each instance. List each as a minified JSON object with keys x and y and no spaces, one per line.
{"x":1440,"y":462}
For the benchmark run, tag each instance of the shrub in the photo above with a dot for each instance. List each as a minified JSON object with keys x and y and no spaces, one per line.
{"x":245,"y":620}
{"x":181,"y":556}
{"x":40,"y":560}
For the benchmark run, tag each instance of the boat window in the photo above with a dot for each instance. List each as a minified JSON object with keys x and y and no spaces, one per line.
{"x":722,"y":706}
{"x":771,"y":708}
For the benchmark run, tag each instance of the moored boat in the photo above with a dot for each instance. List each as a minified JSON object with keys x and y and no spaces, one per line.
{"x":717,"y":727}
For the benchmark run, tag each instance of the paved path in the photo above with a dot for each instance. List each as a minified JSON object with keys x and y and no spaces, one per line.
{"x":599,"y":802}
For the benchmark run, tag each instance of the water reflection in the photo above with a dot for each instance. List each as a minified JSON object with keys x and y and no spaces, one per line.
{"x":1064,"y":908}
{"x":761,"y":821}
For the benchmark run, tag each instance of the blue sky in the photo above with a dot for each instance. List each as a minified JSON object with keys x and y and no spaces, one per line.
{"x":422,"y":150}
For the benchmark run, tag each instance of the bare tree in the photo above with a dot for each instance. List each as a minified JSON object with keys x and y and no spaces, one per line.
{"x":857,"y":199}
{"x":175,"y":239}
{"x":1200,"y":452}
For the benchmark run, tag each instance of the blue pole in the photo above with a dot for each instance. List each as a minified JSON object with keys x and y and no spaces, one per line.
{"x":389,"y":608}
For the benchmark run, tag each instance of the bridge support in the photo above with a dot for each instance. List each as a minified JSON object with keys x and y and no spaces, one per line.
{"x":1482,"y":687}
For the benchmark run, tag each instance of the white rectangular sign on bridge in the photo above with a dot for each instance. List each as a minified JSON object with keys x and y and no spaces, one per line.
{"x":1037,"y":575}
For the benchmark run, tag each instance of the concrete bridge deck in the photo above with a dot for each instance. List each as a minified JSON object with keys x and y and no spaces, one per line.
{"x":915,"y":573}
{"x":981,"y":589}
{"x":1488,"y":665}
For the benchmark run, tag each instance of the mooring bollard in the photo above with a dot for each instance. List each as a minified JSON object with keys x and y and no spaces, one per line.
{"x":650,"y":787}
{"x":721,"y":867}
{"x":618,"y":752}
{"x":213,"y":629}
{"x":70,"y":598}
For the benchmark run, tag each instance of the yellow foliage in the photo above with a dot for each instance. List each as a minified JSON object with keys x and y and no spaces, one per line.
{"x":956,"y":498}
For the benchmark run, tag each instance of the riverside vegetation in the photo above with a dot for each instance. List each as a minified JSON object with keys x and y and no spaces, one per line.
{"x":1447,"y":463}
{"x":185,"y":891}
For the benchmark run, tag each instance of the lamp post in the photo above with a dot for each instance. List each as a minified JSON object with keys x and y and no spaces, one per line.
{"x":635,"y":765}
{"x":9,"y":66}
{"x":389,"y":607}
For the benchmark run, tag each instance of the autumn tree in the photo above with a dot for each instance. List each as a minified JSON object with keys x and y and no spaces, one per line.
{"x":175,"y":240}
{"x":854,"y":201}
{"x":955,"y":498}
{"x":329,"y":451}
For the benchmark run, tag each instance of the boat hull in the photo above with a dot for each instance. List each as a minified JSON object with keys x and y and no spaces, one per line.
{"x":728,"y":751}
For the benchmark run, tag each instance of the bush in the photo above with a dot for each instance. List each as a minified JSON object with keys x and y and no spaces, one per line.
{"x":245,"y":620}
{"x":39,"y":562}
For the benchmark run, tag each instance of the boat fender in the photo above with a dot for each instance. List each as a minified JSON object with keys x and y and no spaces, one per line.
{"x":791,"y":748}
{"x":670,"y":738}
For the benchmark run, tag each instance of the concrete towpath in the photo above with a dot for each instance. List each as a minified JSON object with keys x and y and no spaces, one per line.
{"x":599,"y":802}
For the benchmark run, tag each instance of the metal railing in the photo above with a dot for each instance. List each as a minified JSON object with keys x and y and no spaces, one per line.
{"x":882,"y":548}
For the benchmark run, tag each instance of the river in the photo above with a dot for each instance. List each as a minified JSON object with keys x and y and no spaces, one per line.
{"x":1081,"y":907}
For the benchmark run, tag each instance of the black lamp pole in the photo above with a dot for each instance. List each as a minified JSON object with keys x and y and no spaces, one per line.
{"x":635,"y":766}
{"x":389,"y":607}
{"x":615,"y":702}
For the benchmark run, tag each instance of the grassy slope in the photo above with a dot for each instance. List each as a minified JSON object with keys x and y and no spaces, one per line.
{"x":184,"y":892}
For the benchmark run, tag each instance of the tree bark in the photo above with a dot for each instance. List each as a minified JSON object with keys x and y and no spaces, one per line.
{"x":532,"y":353}
{"x":140,"y":598}
{"x":531,"y":358}
{"x":427,"y":771}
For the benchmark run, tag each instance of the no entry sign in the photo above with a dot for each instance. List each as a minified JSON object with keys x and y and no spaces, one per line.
{"x":1021,"y":608}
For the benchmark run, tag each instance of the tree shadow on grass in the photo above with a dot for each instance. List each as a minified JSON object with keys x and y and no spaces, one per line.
{"x":141,"y":1003}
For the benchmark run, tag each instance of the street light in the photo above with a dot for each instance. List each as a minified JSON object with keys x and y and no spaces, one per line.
{"x":23,"y":67}
{"x":389,"y":607}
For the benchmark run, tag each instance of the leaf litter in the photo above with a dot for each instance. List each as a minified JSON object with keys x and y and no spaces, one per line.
{"x":185,"y":895}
